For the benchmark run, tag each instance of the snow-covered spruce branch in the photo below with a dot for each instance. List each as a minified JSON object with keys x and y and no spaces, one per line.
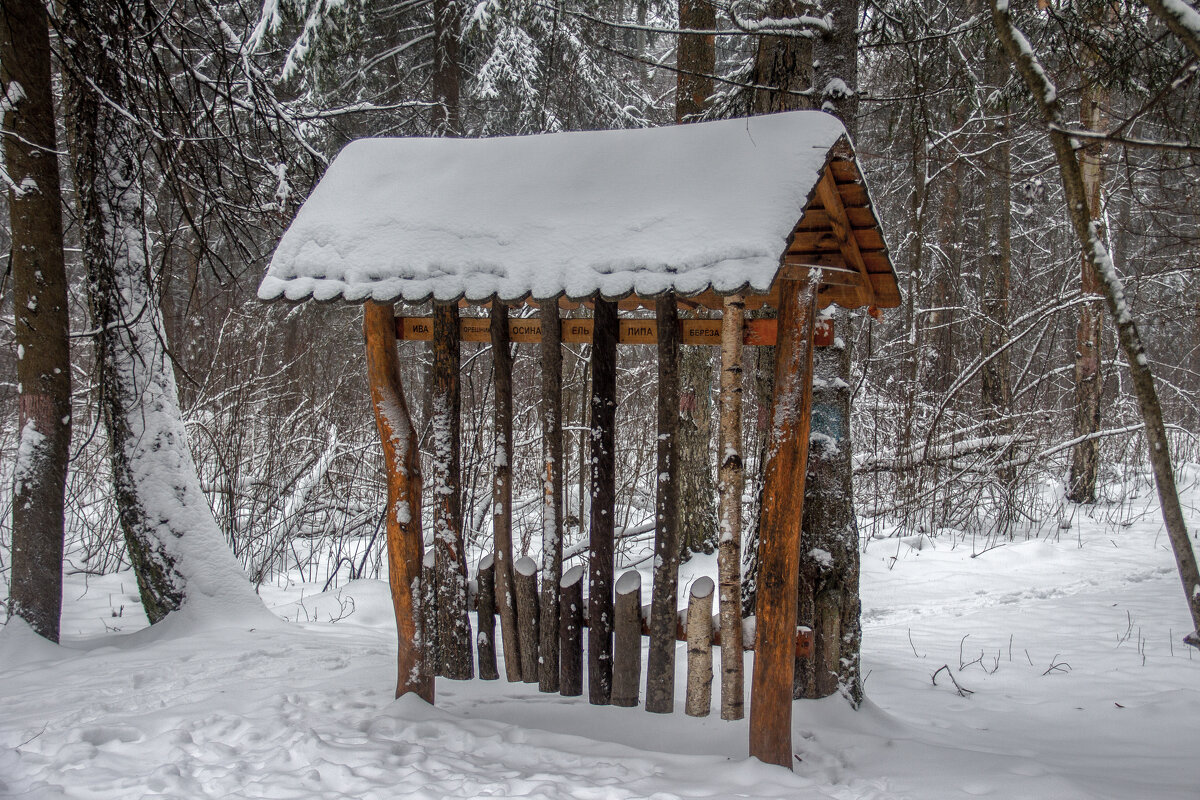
{"x":1182,"y":19}
{"x":1045,"y":95}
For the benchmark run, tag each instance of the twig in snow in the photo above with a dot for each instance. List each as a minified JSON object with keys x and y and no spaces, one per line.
{"x":962,"y":692}
{"x":1057,"y":666}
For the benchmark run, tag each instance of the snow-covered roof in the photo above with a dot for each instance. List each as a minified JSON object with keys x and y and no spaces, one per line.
{"x":689,"y":208}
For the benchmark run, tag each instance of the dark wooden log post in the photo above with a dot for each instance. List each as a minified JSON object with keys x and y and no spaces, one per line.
{"x":525,"y":579}
{"x":486,"y":637}
{"x":552,"y":460}
{"x":454,"y":627}
{"x":429,"y":612}
{"x":779,"y":525}
{"x":570,"y":633}
{"x":699,"y":649}
{"x":627,"y":640}
{"x":403,"y":465}
{"x":729,"y":489}
{"x":660,"y":668}
{"x":506,"y":602}
{"x":604,"y":492}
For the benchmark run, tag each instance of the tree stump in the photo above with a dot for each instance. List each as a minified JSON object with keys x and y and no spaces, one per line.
{"x":486,"y":636}
{"x":570,"y":633}
{"x":525,"y":578}
{"x":699,"y":648}
{"x":627,"y":644}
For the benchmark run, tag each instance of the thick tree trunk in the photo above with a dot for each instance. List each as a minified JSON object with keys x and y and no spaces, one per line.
{"x":604,"y":489}
{"x":41,"y":318}
{"x":731,"y":483}
{"x":784,"y":63}
{"x":552,"y":493}
{"x":447,"y":74}
{"x":502,"y":547}
{"x":696,"y":58}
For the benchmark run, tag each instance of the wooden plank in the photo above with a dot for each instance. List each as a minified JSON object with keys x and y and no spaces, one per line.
{"x":834,"y":202}
{"x":601,"y":538}
{"x":845,"y":171}
{"x":755,"y":333}
{"x":402,"y":462}
{"x":552,"y":494}
{"x":502,"y":549}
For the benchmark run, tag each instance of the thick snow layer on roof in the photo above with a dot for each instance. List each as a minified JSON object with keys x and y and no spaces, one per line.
{"x":685,"y":207}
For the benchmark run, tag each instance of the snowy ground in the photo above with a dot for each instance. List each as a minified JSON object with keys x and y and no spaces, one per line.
{"x":1069,"y":645}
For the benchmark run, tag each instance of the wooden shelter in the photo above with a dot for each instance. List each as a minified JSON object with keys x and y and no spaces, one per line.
{"x":730,"y":215}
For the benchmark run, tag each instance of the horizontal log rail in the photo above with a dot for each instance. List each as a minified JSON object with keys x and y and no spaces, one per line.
{"x":756,"y":332}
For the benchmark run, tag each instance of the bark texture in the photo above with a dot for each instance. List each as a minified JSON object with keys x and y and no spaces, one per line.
{"x":604,"y":489}
{"x":502,"y":547}
{"x":731,"y":480}
{"x":552,"y":493}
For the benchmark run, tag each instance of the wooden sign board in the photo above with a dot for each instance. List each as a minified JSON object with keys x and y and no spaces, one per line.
{"x":756,"y":332}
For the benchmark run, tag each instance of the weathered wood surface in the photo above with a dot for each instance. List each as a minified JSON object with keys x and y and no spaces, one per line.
{"x":552,"y":494}
{"x":506,"y":602}
{"x":604,"y":491}
{"x":779,"y":528}
{"x":525,"y":579}
{"x":403,"y":520}
{"x":757,"y":332}
{"x":485,"y":637}
{"x":660,"y":666}
{"x":699,"y":648}
{"x":454,"y":627}
{"x":730,"y":484}
{"x":570,"y":633}
{"x":429,"y":612}
{"x":627,"y":640}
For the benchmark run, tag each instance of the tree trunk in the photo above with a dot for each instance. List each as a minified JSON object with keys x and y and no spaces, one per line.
{"x":627,"y":640}
{"x":502,"y":547}
{"x":699,"y":649}
{"x":600,"y":541}
{"x":696,"y":58}
{"x":552,"y":493}
{"x":783,"y":63}
{"x":41,"y":318}
{"x":485,"y":617}
{"x":570,"y":633}
{"x":447,"y":74}
{"x":731,"y":484}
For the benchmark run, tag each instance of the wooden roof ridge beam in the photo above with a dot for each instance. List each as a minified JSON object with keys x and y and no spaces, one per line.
{"x":831,"y":199}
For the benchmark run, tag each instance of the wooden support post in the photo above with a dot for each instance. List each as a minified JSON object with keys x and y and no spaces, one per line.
{"x":570,"y":633}
{"x":699,"y":649}
{"x":486,"y":636}
{"x":730,"y":483}
{"x":403,"y":520}
{"x":525,"y":579}
{"x":604,"y":492}
{"x":506,"y":602}
{"x":627,"y":640}
{"x":780,"y":523}
{"x":454,"y":627}
{"x":660,"y":668}
{"x":552,"y":493}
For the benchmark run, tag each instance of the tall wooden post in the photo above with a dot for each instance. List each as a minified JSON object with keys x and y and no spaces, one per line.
{"x":552,"y":493}
{"x":730,"y":482}
{"x":454,"y":627}
{"x":780,"y":523}
{"x":660,"y":667}
{"x":403,"y":464}
{"x":506,"y":602}
{"x":604,"y":492}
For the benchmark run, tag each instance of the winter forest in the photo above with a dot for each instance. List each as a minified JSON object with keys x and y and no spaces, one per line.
{"x":203,"y":588}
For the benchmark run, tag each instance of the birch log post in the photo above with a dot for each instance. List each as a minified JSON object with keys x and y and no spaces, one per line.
{"x":506,"y":602}
{"x":403,"y":465}
{"x":699,"y":649}
{"x":627,"y":640}
{"x":780,"y":523}
{"x":660,"y":668}
{"x":485,"y":637}
{"x":570,"y":633}
{"x":552,"y":493}
{"x":730,"y":484}
{"x":525,"y":580}
{"x":454,"y":627}
{"x":604,"y":491}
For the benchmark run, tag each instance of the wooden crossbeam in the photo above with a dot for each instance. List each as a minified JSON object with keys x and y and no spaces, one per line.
{"x":831,"y":199}
{"x":756,"y":332}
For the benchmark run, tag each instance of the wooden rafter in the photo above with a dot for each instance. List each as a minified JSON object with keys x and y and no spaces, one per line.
{"x":831,"y":199}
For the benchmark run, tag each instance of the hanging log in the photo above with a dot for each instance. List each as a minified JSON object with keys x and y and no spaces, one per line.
{"x":402,"y":462}
{"x":604,"y":492}
{"x":525,"y":579}
{"x":660,"y":668}
{"x":552,"y":493}
{"x":699,"y":649}
{"x":454,"y":627}
{"x":486,"y":636}
{"x":627,"y":640}
{"x":730,"y":484}
{"x":570,"y":633}
{"x":506,"y":602}
{"x":429,"y":613}
{"x":779,"y":527}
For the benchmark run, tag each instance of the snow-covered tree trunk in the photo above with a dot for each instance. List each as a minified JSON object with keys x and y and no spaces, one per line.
{"x":177,"y":550}
{"x":40,"y":312}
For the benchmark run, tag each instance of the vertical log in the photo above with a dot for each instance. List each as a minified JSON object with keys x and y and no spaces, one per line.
{"x":429,"y":613}
{"x":627,"y":640}
{"x":730,"y":481}
{"x":454,"y":627}
{"x":552,"y":487}
{"x":660,"y":669}
{"x":506,"y":602}
{"x":486,"y":635}
{"x":525,"y":579}
{"x":403,"y":465}
{"x":570,"y":633}
{"x":699,"y":649}
{"x":780,"y":524}
{"x":604,"y":493}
